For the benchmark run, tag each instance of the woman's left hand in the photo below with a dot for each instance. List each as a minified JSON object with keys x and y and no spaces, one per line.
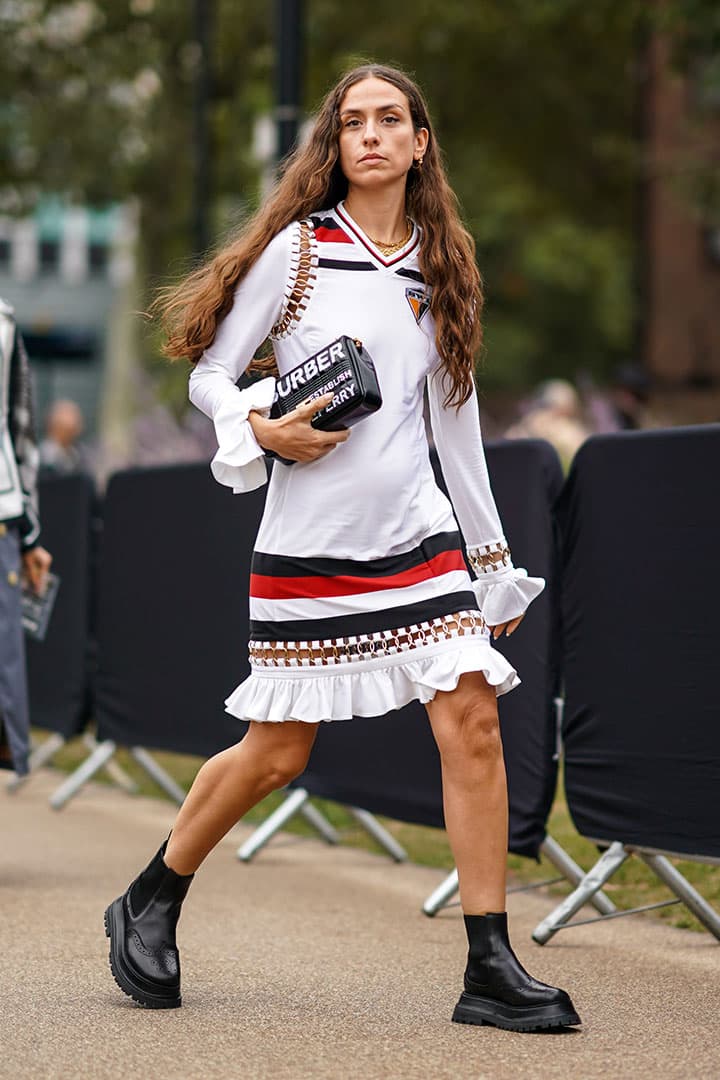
{"x":508,"y":627}
{"x":36,"y":565}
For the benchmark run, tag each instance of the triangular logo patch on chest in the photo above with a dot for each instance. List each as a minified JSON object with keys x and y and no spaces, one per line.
{"x":418,"y":301}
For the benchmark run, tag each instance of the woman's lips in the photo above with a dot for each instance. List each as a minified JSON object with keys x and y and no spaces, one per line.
{"x":372,"y":157}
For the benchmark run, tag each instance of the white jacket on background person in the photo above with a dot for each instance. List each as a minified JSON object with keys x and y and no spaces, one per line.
{"x":18,"y":449}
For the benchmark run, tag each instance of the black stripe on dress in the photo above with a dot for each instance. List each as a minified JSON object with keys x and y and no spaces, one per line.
{"x":414,"y":275}
{"x":328,"y":222}
{"x":366,"y":622}
{"x":345,"y":264}
{"x":306,"y":566}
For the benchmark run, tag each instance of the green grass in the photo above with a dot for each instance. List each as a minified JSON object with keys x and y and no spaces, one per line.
{"x":633,"y":885}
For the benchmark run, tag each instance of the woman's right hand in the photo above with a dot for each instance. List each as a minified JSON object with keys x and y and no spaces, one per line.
{"x":292,"y":436}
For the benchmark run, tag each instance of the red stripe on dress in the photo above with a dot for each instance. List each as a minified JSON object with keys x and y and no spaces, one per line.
{"x":332,"y":236}
{"x":266,"y":587}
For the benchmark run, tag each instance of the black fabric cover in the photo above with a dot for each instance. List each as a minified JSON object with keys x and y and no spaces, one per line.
{"x":173,"y":610}
{"x":390,"y":765}
{"x":640,"y":519}
{"x":59,"y":668}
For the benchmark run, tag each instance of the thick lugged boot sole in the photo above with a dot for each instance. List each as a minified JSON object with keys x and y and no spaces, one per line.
{"x":123,"y":975}
{"x":473,"y":1009}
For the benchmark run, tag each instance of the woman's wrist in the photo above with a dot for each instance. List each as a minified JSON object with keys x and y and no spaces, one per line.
{"x":261,"y":428}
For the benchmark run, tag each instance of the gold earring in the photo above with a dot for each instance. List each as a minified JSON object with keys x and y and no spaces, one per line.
{"x":417,"y":163}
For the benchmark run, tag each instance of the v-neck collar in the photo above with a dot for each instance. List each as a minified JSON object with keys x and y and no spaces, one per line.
{"x":362,"y":237}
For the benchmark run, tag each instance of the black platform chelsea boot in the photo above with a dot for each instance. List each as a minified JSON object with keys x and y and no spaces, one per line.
{"x":141,"y":926}
{"x":498,"y":989}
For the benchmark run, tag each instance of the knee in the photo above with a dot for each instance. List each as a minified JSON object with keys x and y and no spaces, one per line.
{"x":471,"y":738}
{"x":283,"y":767}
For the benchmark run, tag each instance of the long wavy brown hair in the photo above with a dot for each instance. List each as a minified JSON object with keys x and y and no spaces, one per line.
{"x":313,"y":180}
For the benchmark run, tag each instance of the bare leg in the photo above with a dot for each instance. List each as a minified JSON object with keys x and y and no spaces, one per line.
{"x":142,"y":923}
{"x":465,"y":724}
{"x":231,"y":783}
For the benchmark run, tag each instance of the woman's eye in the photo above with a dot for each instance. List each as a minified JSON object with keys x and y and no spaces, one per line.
{"x":394,"y":119}
{"x":351,"y":123}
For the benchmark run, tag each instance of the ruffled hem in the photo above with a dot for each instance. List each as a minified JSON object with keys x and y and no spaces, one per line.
{"x":503,"y":599}
{"x":240,"y":460}
{"x":311,"y":698}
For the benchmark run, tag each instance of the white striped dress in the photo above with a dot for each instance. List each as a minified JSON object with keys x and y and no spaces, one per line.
{"x":360,"y":597}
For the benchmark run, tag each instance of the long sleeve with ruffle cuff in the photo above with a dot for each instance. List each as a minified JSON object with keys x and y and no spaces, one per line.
{"x":240,"y":460}
{"x":257,"y":305}
{"x":503,"y":591}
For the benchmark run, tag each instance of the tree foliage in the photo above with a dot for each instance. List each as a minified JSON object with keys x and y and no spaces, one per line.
{"x":535,"y":103}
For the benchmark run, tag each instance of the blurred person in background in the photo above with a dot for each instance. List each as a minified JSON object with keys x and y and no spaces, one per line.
{"x":60,"y":449}
{"x":21,"y":556}
{"x":629,"y":395}
{"x":624,"y":405}
{"x":554,"y":414}
{"x":357,"y":543}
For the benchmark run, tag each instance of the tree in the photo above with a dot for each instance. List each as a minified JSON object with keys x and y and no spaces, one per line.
{"x":534,"y":102}
{"x":100,"y":107}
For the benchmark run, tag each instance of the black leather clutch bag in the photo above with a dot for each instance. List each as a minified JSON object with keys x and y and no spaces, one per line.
{"x":344,"y":367}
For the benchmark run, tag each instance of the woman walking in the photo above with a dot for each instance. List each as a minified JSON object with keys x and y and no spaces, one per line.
{"x":360,"y":599}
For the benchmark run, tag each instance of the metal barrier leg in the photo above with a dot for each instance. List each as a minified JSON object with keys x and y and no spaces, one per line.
{"x":162,"y":778}
{"x":99,"y":758}
{"x":317,"y":819}
{"x":379,"y":833}
{"x":39,"y":757}
{"x":50,"y":746}
{"x":682,"y":888}
{"x":114,"y":771}
{"x":70,"y":787}
{"x":592,"y":882}
{"x":553,"y":852}
{"x":441,"y":896}
{"x":298,"y":801}
{"x":295,"y":802}
{"x":559,"y":857}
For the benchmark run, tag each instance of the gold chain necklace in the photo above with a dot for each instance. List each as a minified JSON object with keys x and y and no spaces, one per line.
{"x":390,"y":249}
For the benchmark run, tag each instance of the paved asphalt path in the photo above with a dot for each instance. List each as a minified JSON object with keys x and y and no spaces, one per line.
{"x":313,"y":963}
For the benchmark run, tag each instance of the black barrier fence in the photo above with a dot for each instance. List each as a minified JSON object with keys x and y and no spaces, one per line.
{"x":184,"y":564}
{"x":640,"y":533}
{"x":640,"y":520}
{"x":172,"y":625}
{"x":172,"y":608}
{"x":527,"y":478}
{"x":389,"y":765}
{"x":60,"y":668}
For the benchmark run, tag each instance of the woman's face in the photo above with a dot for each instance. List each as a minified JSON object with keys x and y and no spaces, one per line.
{"x":377,"y":139}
